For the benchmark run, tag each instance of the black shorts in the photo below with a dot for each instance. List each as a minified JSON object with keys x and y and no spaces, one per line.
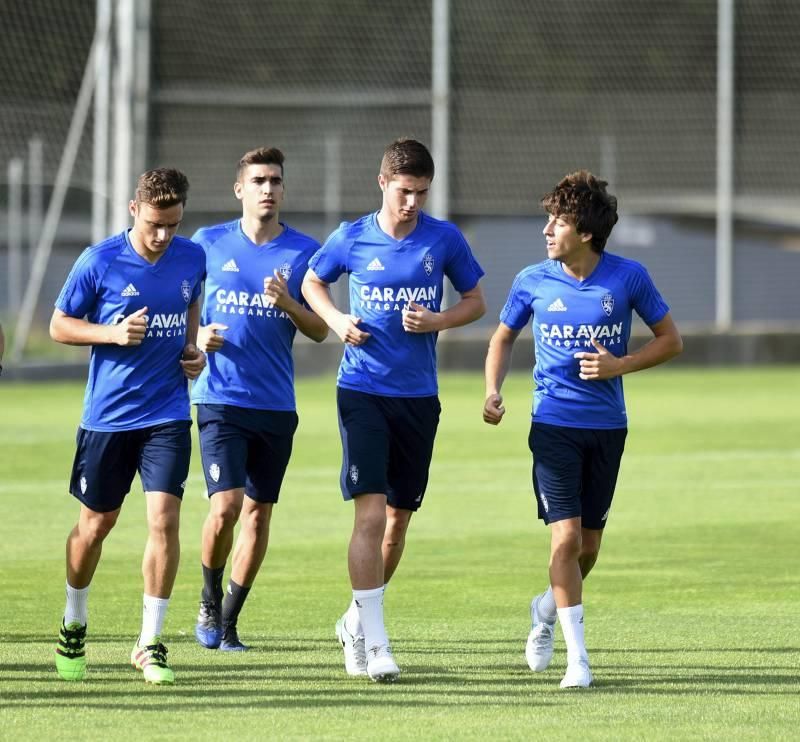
{"x":387,"y":445}
{"x":106,"y":462}
{"x":247,"y":448}
{"x":575,"y":472}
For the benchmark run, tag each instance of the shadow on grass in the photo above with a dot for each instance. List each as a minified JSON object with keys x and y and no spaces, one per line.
{"x":285,"y":679}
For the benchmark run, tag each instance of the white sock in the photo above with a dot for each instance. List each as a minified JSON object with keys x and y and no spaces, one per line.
{"x":154,"y":611}
{"x":76,"y":610}
{"x":370,"y":610}
{"x":547,"y":606}
{"x":352,"y":622}
{"x":571,"y":620}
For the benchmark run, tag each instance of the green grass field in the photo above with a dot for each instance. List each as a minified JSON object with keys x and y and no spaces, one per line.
{"x":693,"y":611}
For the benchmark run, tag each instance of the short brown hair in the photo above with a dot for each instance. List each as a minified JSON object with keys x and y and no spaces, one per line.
{"x":260,"y":156}
{"x":162,"y":187}
{"x":407,"y":157}
{"x":583,"y":197}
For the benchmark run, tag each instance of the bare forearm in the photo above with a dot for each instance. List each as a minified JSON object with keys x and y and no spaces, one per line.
{"x":192,"y":323}
{"x":310,"y":324}
{"x":73,"y":331}
{"x":498,"y":362}
{"x":318,"y":296}
{"x":468,"y":309}
{"x":658,"y":350}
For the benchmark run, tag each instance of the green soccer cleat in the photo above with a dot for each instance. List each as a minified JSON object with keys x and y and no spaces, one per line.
{"x":71,"y":651}
{"x":151,"y":659}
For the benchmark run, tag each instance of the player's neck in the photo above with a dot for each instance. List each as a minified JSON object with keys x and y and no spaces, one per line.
{"x":395,"y":228}
{"x":138,"y":245}
{"x":260,"y":231}
{"x":581,"y":266}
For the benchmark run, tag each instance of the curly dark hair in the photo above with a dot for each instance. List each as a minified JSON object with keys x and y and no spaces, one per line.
{"x":583,"y":197}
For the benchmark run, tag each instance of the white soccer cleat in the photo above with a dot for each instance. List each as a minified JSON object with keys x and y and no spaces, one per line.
{"x":381,"y":666}
{"x":578,"y":675}
{"x":355,"y":652}
{"x":539,"y":648}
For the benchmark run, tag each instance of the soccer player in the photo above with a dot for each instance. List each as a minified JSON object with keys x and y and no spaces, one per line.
{"x":387,"y":398}
{"x":245,"y":397}
{"x":134,"y":299}
{"x":581,"y":300}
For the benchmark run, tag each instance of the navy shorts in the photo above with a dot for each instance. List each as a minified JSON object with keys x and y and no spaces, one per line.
{"x":575,"y":472}
{"x":106,"y":462}
{"x":387,"y":445}
{"x":247,"y":448}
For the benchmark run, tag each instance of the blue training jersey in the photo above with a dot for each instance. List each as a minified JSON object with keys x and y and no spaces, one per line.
{"x":254,"y":367}
{"x":143,"y":385}
{"x":567,"y":314}
{"x":385,"y":274}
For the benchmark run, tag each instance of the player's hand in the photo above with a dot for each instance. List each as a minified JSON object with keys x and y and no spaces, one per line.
{"x":598,"y":366}
{"x":209,"y":337}
{"x":493,"y":409}
{"x":132,"y":329}
{"x":348,"y":332}
{"x":417,"y":318}
{"x":277,"y":290}
{"x":193,"y":361}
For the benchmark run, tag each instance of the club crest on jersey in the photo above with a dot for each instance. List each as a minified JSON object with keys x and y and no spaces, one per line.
{"x":286,"y":271}
{"x":214,"y":472}
{"x":354,"y":474}
{"x":608,"y":304}
{"x":186,"y":291}
{"x":427,"y":264}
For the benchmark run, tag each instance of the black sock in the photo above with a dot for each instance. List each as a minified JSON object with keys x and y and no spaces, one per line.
{"x":212,"y":585}
{"x":232,"y":605}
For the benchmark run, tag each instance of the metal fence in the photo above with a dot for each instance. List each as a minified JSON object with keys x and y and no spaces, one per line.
{"x":687,"y":108}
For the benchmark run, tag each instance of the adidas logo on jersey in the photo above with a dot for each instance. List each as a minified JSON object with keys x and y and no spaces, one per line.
{"x":129,"y":290}
{"x":557,"y":306}
{"x":375,"y":265}
{"x":231,"y":266}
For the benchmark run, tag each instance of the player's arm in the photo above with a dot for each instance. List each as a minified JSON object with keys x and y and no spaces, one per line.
{"x":498,"y":361}
{"x":193,"y":360}
{"x":318,"y":295}
{"x":470,"y":307}
{"x":78,"y":331}
{"x":665,"y":344}
{"x":310,"y":324}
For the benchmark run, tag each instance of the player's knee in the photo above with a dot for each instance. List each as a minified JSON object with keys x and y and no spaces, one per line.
{"x":224,"y":517}
{"x":163,"y":524}
{"x":96,"y":528}
{"x":566,"y":548}
{"x":257,"y":520}
{"x":587,"y":559}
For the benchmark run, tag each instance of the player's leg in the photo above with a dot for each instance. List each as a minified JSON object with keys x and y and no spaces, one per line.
{"x":164,"y":465}
{"x":268,"y":454}
{"x":101,"y":477}
{"x":413,"y":425}
{"x":223,"y":448}
{"x":248,"y":555}
{"x":394,"y":539}
{"x":216,"y":544}
{"x":567,"y":584}
{"x":365,"y":565}
{"x":557,"y":465}
{"x":365,"y":446}
{"x":602,"y":456}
